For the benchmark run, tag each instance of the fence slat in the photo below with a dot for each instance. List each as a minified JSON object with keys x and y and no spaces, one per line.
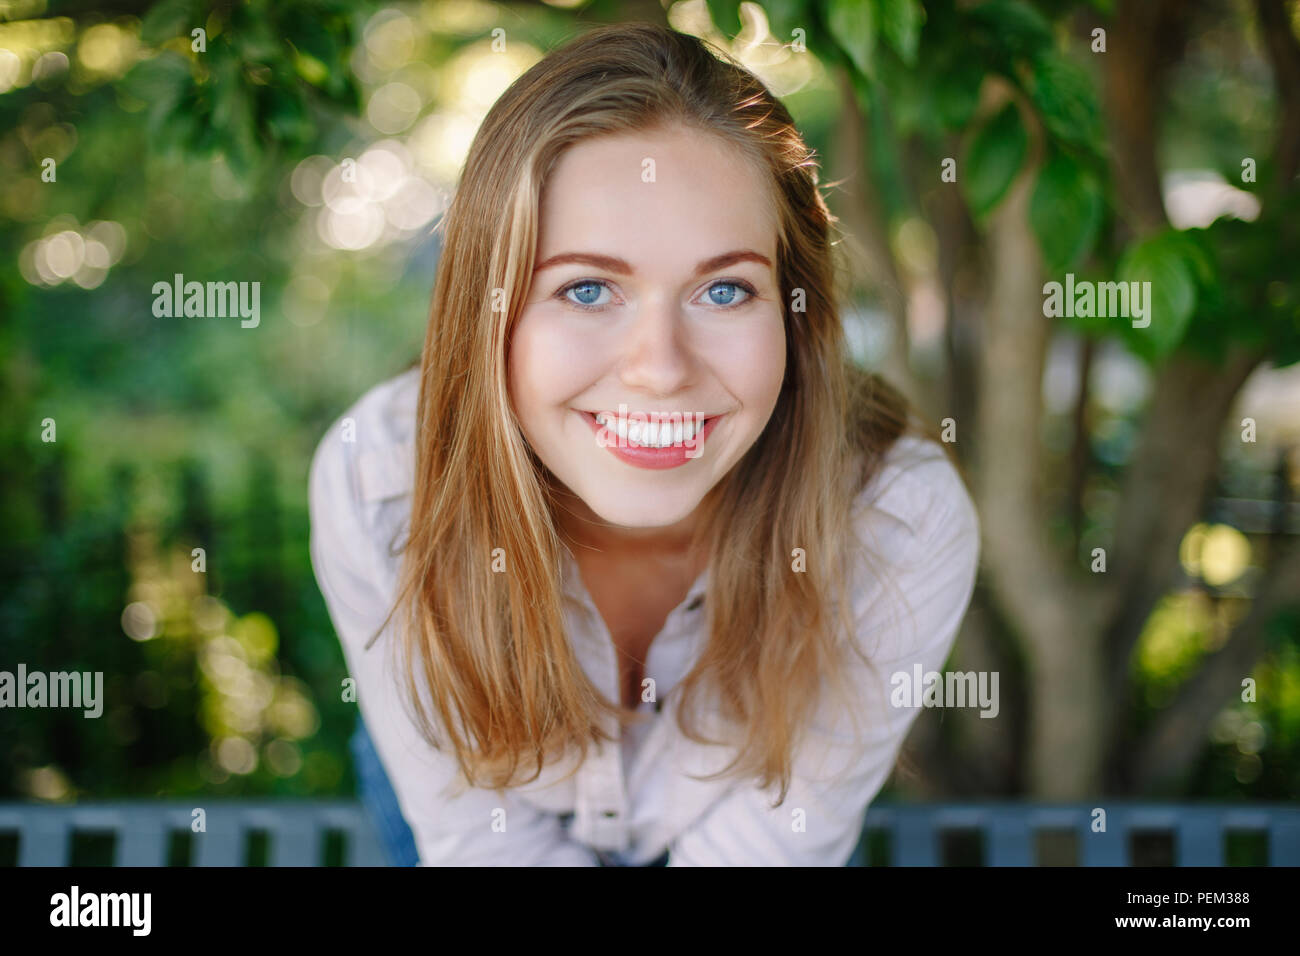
{"x":295,"y":841}
{"x":142,"y":840}
{"x":1104,"y":849}
{"x":1284,"y":840}
{"x":45,"y":839}
{"x":1010,"y":839}
{"x":295,"y":828}
{"x":1199,"y":841}
{"x":223,"y":843}
{"x":363,"y":847}
{"x":915,"y":841}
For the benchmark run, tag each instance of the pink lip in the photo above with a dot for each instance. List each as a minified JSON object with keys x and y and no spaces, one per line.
{"x":654,"y":459}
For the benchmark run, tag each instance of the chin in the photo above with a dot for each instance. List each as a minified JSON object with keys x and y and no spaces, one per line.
{"x":648,"y":511}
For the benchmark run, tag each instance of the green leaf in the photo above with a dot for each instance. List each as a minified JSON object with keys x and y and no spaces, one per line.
{"x":1064,"y":94}
{"x":164,"y":78}
{"x":900,"y":23}
{"x":1190,"y":244}
{"x":726,"y":16}
{"x":169,"y":19}
{"x":884,"y":156}
{"x":957,"y":93}
{"x":164,"y":82}
{"x":1288,"y":353}
{"x":996,"y":154}
{"x":784,"y":15}
{"x":1161,"y":261}
{"x":181,"y":129}
{"x":852,"y":22}
{"x":1065,"y":211}
{"x":1018,"y":27}
{"x":311,"y":69}
{"x":285,"y":116}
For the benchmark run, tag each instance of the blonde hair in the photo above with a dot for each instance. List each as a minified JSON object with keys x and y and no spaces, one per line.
{"x":491,"y":649}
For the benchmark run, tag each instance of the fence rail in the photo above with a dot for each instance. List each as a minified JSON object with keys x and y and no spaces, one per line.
{"x":296,"y":833}
{"x":1009,"y":834}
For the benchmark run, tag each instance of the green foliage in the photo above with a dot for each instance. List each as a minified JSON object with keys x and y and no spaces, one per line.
{"x":956,"y":91}
{"x":164,"y":82}
{"x":853,"y":24}
{"x":917,"y":75}
{"x":1256,"y":298}
{"x":168,"y":19}
{"x":928,"y":75}
{"x":1176,"y":266}
{"x":136,"y":398}
{"x":1021,"y":30}
{"x":900,"y":23}
{"x":1065,"y":211}
{"x":782,"y":16}
{"x":251,"y":90}
{"x":994,"y":157}
{"x":726,"y":15}
{"x":1067,"y":102}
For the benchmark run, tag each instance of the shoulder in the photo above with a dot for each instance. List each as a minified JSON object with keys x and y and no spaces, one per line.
{"x":910,"y":583}
{"x":918,"y":539}
{"x":367,"y":452}
{"x":358,"y":481}
{"x":916,"y":496}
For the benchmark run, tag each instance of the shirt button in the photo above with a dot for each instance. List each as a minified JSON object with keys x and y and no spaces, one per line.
{"x":611,"y":814}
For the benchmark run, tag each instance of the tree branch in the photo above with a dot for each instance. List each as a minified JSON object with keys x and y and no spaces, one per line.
{"x":960,"y":275}
{"x":1284,"y":54}
{"x":1043,"y":593}
{"x":867,"y":236}
{"x":1081,"y":443}
{"x":1165,"y":486}
{"x":1144,"y":40}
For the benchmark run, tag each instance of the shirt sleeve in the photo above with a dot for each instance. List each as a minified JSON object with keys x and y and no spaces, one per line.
{"x":924,"y":540}
{"x":464,"y":826}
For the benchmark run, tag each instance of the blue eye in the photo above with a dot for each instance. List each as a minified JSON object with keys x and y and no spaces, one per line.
{"x":728,"y":293}
{"x":587,"y":294}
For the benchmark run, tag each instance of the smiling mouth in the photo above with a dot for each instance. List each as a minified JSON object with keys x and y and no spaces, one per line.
{"x":678,"y":437}
{"x":653,"y":429}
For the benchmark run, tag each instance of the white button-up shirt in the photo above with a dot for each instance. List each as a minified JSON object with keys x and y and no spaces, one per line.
{"x":631,"y":802}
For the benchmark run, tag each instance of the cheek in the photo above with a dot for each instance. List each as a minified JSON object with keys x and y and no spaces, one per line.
{"x":546,"y":365}
{"x":750,"y":360}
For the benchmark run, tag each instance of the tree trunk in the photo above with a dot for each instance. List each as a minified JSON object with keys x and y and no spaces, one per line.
{"x":1039,"y":591}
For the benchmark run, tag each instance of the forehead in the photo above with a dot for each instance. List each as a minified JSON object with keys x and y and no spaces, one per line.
{"x":668,"y":194}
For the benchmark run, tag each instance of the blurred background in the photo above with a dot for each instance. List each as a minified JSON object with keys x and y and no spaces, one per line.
{"x":1136,"y":486}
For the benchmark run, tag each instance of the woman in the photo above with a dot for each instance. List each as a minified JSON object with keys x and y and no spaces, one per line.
{"x":623,"y":568}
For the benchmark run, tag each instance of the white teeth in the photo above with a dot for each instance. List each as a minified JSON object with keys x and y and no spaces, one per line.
{"x":653,"y":434}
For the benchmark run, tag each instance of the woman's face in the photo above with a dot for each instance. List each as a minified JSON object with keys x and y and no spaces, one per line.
{"x":651,"y":349}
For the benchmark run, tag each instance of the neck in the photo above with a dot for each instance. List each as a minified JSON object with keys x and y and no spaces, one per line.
{"x":582,"y":528}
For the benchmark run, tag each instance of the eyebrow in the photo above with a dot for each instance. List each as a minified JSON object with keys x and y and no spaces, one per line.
{"x":614,"y":264}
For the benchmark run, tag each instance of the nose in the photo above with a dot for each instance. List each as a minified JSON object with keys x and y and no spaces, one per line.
{"x":657,"y":357}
